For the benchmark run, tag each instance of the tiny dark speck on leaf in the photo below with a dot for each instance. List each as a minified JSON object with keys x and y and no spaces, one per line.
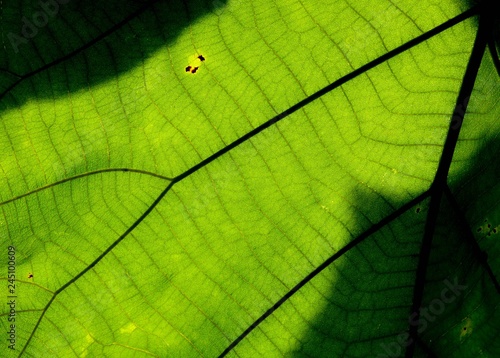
{"x":495,"y":230}
{"x":201,"y":58}
{"x":194,"y":69}
{"x":479,"y":229}
{"x":30,"y":275}
{"x":418,"y":210}
{"x":188,"y":68}
{"x":465,"y":328}
{"x":489,"y":226}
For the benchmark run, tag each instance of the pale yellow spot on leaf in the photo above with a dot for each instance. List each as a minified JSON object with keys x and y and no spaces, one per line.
{"x":129,"y":328}
{"x":89,"y":339}
{"x":466,"y":328}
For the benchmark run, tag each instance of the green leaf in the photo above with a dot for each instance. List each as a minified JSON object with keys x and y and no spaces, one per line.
{"x":321,"y":182}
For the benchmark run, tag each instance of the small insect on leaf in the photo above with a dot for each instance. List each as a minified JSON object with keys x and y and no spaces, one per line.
{"x":201,"y":58}
{"x":194,"y":69}
{"x":188,"y":68}
{"x":30,"y":275}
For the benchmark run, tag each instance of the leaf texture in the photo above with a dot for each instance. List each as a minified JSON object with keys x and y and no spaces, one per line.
{"x":283,"y":199}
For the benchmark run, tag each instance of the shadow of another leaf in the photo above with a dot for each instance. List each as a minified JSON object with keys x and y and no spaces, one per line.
{"x":54,"y":48}
{"x":366,"y":309}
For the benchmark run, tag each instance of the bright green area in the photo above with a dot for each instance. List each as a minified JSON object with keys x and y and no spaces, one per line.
{"x":89,"y":143}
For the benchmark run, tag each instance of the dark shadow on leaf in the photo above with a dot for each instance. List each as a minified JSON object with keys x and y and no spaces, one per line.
{"x":52,"y":48}
{"x":366,"y":313}
{"x":365,"y":310}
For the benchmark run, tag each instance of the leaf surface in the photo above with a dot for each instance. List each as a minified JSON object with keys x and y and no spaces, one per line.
{"x":282,"y":200}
